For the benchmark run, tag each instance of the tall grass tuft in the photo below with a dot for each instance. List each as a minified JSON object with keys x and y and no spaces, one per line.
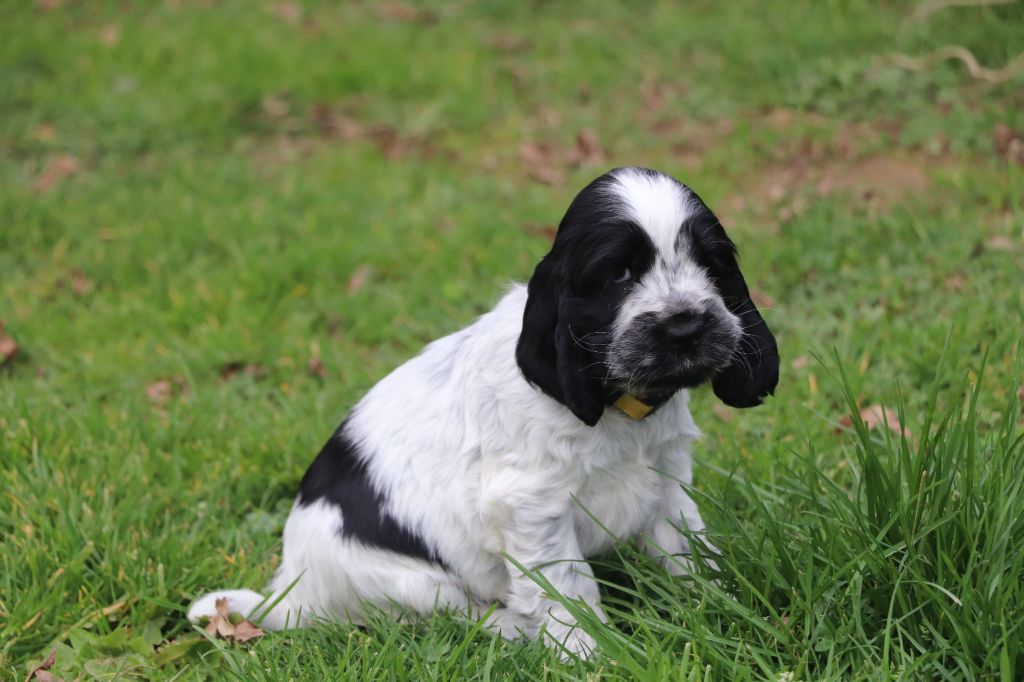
{"x":904,"y":561}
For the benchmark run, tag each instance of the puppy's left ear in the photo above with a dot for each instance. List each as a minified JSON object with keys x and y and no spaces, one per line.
{"x":547,"y":353}
{"x":754,"y":371}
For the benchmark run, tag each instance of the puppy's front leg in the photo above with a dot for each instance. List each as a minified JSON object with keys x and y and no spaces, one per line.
{"x":677,"y":510}
{"x":536,"y":529}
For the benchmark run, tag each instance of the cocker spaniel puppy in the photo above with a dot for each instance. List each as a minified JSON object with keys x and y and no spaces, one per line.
{"x":558,"y":416}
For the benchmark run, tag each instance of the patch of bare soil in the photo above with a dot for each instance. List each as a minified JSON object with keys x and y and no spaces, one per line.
{"x":787,"y":187}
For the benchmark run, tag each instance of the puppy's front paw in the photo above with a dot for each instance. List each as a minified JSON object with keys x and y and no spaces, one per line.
{"x":571,"y":640}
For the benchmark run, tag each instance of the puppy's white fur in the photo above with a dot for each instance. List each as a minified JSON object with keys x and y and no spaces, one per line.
{"x":470,"y":455}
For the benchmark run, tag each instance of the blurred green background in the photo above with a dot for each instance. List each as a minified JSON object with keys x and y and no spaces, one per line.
{"x":221,"y":222}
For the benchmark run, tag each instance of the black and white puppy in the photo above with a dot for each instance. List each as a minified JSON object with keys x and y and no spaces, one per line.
{"x":562,"y":410}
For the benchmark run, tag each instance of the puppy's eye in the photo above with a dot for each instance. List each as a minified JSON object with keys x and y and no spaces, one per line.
{"x":624,"y":276}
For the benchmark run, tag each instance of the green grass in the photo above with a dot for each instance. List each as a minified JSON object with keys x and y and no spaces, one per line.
{"x":234,"y":169}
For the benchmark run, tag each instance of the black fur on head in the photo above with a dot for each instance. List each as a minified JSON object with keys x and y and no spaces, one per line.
{"x":573,"y":300}
{"x":754,"y":371}
{"x":599,"y":258}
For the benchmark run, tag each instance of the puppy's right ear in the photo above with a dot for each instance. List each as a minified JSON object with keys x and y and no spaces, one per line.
{"x":546,"y":353}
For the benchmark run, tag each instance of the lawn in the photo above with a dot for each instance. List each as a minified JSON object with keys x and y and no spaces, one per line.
{"x":220,"y":223}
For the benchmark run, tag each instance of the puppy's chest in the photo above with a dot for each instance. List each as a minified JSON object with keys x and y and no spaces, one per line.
{"x":618,"y":501}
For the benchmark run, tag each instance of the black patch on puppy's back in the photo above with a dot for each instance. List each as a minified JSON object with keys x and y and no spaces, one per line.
{"x":339,"y":476}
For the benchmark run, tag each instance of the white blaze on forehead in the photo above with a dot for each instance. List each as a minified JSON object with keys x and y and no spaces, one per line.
{"x":656,"y":202}
{"x":675,"y":282}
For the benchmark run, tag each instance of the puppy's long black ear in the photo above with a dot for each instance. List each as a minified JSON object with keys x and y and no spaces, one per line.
{"x":547,"y":352}
{"x":754,"y":371}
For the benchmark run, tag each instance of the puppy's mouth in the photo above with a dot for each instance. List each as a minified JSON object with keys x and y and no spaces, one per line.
{"x":657,"y":385}
{"x":660,"y":355}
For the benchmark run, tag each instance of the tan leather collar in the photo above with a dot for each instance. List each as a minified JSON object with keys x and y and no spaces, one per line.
{"x":633,"y":407}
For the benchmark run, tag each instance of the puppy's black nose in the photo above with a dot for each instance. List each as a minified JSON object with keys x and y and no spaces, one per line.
{"x":685,"y":327}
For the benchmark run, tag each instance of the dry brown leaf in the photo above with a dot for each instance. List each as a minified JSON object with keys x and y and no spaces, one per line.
{"x":290,"y":12}
{"x":59,"y":168}
{"x":48,"y":5}
{"x":275,"y":107}
{"x":80,"y":284}
{"x":800,"y":361}
{"x":220,"y":625}
{"x":588,"y":149}
{"x":1009,"y":143}
{"x":956,"y":282}
{"x":110,"y":35}
{"x":391,"y":143}
{"x":331,"y":124}
{"x":400,"y":11}
{"x":315,"y":366}
{"x":510,"y":42}
{"x":875,"y":416}
{"x":358,"y":279}
{"x":8,"y":346}
{"x":541,"y":162}
{"x":161,"y":391}
{"x":45,"y":132}
{"x":1000,"y":243}
{"x":40,"y":672}
{"x":548,"y":232}
{"x":723,"y":412}
{"x":762,"y":300}
{"x":250,"y":369}
{"x":245,"y":631}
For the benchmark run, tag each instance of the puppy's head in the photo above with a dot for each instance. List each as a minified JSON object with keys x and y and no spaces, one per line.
{"x":641,"y":294}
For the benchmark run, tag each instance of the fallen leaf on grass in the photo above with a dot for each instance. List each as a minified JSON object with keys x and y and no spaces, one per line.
{"x":275,"y":107}
{"x":290,"y":12}
{"x":762,"y":300}
{"x":59,"y":168}
{"x":723,"y":412}
{"x":399,"y":11}
{"x":221,"y":626}
{"x":45,"y":132}
{"x":1009,"y":143}
{"x":250,"y":369}
{"x":110,"y":35}
{"x":8,"y":346}
{"x":542,"y":164}
{"x":999,"y":243}
{"x":316,"y":367}
{"x":509,"y":42}
{"x":162,"y":390}
{"x":388,"y":140}
{"x":800,"y":362}
{"x":548,"y":232}
{"x":956,"y":282}
{"x":358,"y":279}
{"x":245,"y":631}
{"x":588,"y":149}
{"x":41,"y":671}
{"x":875,"y":416}
{"x":331,"y":123}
